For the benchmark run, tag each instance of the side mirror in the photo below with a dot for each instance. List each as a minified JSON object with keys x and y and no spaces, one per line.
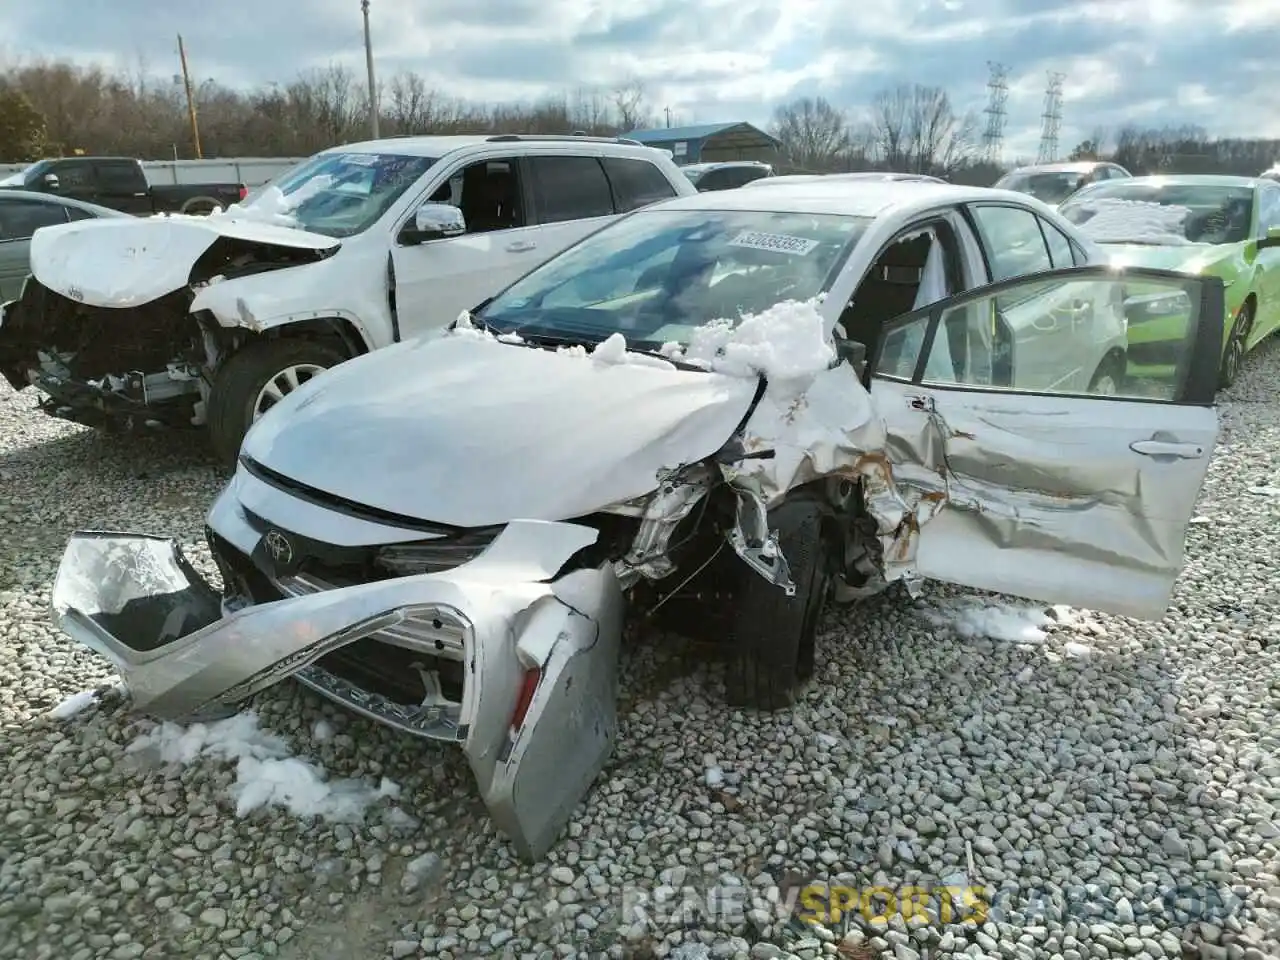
{"x":853,"y":353}
{"x":51,"y":181}
{"x":434,"y":221}
{"x":1272,"y":239}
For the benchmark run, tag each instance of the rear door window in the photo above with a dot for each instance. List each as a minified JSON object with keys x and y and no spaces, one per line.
{"x":569,"y":188}
{"x":636,"y":183}
{"x":19,"y":219}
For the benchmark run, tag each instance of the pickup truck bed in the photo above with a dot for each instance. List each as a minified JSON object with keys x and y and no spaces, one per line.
{"x":121,"y":184}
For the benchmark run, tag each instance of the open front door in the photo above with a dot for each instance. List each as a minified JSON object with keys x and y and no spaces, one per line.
{"x":1054,"y":473}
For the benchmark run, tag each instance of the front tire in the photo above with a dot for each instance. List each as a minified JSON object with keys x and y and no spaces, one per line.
{"x":253,"y":380}
{"x":1233,"y":355}
{"x":1108,"y":379}
{"x":773,"y":636}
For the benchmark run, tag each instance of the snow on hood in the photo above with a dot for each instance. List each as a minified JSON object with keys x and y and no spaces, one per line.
{"x":1136,"y":221}
{"x":788,"y":341}
{"x":130,"y":261}
{"x":462,"y":429}
{"x":273,"y":205}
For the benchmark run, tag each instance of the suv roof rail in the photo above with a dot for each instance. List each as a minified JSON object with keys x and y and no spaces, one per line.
{"x":514,"y":137}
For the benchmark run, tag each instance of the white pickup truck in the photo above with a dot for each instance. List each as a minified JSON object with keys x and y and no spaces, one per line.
{"x":188,"y":321}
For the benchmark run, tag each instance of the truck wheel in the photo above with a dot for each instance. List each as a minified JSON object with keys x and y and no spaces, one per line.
{"x":773,"y":635}
{"x":254,"y":379}
{"x":200,"y":206}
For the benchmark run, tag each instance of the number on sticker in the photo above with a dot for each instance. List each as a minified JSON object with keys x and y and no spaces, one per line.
{"x":780,"y":242}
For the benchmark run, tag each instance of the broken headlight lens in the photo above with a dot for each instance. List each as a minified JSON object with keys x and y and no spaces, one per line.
{"x":434,"y":556}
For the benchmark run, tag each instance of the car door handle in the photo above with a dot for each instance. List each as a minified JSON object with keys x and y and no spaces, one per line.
{"x":521,"y":246}
{"x":1165,"y":448}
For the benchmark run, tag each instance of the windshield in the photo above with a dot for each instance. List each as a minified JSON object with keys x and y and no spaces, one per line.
{"x":1163,"y":214}
{"x":657,"y":275}
{"x":25,"y":175}
{"x":1049,"y":187}
{"x":335,"y":194}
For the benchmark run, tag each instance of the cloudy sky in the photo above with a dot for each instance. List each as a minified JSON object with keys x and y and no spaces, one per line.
{"x":1211,"y":62}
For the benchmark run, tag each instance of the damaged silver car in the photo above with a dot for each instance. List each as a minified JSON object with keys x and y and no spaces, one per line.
{"x":449,"y":534}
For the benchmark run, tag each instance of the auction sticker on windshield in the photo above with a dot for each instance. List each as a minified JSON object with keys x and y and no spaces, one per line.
{"x":780,"y":242}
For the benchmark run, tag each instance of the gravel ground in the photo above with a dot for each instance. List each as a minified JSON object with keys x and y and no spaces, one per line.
{"x":1117,"y":782}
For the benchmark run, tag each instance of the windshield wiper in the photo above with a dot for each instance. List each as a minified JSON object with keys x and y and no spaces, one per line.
{"x":539,"y":341}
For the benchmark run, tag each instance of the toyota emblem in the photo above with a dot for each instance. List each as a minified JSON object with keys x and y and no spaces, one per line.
{"x":279,"y":547}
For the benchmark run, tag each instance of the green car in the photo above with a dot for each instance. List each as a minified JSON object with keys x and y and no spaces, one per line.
{"x":1221,"y":226}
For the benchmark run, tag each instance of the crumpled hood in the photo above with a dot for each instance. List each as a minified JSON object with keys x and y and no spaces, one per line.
{"x":463,"y":430}
{"x":130,"y":261}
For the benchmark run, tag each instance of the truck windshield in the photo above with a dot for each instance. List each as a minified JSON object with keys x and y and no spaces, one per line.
{"x":335,"y":194}
{"x":656,"y":276}
{"x":25,"y":176}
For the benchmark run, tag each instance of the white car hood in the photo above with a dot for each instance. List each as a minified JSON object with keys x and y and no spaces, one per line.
{"x":466,"y":431}
{"x":130,"y":261}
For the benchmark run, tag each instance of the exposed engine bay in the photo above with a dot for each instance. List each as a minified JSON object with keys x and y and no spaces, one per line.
{"x":132,"y":367}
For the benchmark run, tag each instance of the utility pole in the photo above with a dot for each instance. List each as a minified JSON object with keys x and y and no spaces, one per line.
{"x":997,"y":97}
{"x":668,"y":113}
{"x":191,"y":100}
{"x":1052,"y":118}
{"x":368,"y":61}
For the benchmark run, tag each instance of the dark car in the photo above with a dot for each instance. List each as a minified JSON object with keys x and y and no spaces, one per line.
{"x":1054,"y":182}
{"x":22,"y":213}
{"x":725,"y":175}
{"x":121,"y":184}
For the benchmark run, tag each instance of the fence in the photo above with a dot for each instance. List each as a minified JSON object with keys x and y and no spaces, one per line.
{"x":251,"y":171}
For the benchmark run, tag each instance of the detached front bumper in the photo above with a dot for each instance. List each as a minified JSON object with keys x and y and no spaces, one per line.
{"x":536,"y":716}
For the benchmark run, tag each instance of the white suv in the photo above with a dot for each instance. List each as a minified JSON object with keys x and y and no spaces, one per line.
{"x":183,"y":321}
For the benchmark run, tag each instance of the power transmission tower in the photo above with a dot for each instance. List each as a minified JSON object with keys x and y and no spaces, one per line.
{"x":1052,"y":118}
{"x":998,"y":87}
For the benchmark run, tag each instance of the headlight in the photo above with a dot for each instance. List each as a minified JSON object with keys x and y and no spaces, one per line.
{"x":433,"y":556}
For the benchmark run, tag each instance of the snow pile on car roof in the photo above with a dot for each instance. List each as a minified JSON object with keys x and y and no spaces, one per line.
{"x":1134,"y":221}
{"x":784,"y":342}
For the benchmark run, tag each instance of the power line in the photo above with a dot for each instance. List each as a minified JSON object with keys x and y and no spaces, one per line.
{"x":998,"y":87}
{"x":1052,"y":118}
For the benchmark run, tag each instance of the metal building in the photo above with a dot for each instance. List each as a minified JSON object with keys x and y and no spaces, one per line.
{"x":711,"y":142}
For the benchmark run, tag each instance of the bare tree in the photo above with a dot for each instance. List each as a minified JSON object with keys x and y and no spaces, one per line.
{"x":814,"y":134}
{"x":629,"y":101}
{"x":918,"y":131}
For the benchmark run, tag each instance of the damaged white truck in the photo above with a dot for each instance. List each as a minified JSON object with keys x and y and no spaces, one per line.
{"x":190,"y":321}
{"x":449,"y":535}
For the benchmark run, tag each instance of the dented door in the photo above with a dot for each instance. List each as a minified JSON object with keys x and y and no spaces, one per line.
{"x":1022,"y":486}
{"x":537,"y":717}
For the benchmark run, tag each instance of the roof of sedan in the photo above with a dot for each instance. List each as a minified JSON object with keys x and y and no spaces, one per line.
{"x":93,"y":208}
{"x":852,"y":198}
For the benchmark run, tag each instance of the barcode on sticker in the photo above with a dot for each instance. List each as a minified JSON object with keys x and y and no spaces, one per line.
{"x":773,"y":241}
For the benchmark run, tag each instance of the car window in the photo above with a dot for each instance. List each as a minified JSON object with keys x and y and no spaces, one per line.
{"x":1268,"y":209}
{"x":19,"y":219}
{"x":1063,"y":336}
{"x":659,"y":275}
{"x":1013,"y":241}
{"x":73,"y":175}
{"x":1163,"y":212}
{"x":118,"y":177}
{"x":716,"y":180}
{"x":75,"y":213}
{"x":636,"y":183}
{"x":1059,"y":245}
{"x":569,"y":188}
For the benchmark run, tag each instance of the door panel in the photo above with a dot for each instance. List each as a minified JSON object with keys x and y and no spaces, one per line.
{"x":15,"y":264}
{"x":1046,"y":489}
{"x":1267,"y":320}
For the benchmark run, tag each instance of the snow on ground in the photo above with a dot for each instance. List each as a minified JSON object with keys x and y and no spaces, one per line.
{"x":971,"y":618}
{"x":266,"y":774}
{"x":1135,"y":221}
